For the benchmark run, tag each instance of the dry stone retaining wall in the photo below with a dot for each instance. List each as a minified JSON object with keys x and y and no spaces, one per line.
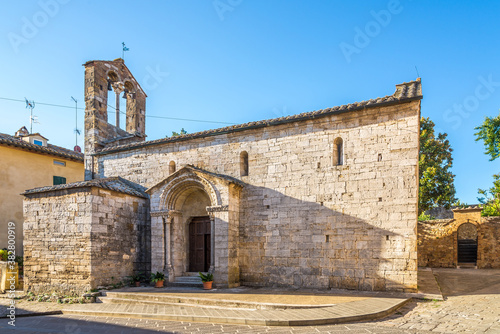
{"x":438,"y":240}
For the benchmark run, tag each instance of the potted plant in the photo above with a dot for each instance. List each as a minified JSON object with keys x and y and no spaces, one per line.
{"x":158,"y":279}
{"x":207,"y":280}
{"x":136,"y":279}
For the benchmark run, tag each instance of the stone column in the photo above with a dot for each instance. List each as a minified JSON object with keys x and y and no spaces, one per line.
{"x":161,"y":242}
{"x":118,"y":88}
{"x":167,"y":227}
{"x":212,"y":244}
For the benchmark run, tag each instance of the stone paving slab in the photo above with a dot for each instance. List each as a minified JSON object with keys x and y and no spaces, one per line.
{"x":367,"y":309}
{"x":33,"y":308}
{"x":428,"y":286}
{"x":246,"y":298}
{"x":93,"y":325}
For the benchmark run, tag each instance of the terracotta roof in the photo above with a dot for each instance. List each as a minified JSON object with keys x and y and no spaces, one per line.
{"x":58,"y":151}
{"x":405,"y":92}
{"x":34,"y":135}
{"x":111,"y":183}
{"x":467,"y":207}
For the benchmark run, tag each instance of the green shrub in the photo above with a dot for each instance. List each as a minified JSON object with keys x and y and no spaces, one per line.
{"x":157,"y":277}
{"x":209,"y":277}
{"x":423,"y":216}
{"x":4,"y":254}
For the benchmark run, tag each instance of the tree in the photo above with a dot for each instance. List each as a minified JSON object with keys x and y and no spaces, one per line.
{"x":491,"y":198}
{"x":175,"y":134}
{"x":436,"y":186}
{"x":489,"y":132}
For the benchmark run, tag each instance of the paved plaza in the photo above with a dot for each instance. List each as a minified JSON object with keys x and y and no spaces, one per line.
{"x":471,"y":305}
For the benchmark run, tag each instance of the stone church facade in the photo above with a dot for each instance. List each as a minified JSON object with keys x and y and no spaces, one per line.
{"x":324,"y":199}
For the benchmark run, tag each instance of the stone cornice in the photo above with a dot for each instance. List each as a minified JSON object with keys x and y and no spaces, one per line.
{"x":217,"y":208}
{"x":165,"y":213}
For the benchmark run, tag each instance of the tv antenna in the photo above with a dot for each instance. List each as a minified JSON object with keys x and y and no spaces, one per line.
{"x":33,"y":119}
{"x":77,"y":131}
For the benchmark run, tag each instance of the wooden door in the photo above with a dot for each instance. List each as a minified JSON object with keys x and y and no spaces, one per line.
{"x":199,"y":244}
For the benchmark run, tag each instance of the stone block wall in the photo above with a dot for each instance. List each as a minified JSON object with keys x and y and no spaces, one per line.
{"x":303,"y":219}
{"x":488,"y":247}
{"x":78,"y":239}
{"x":120,"y":236}
{"x":437,"y":243}
{"x":99,"y":77}
{"x":57,"y":244}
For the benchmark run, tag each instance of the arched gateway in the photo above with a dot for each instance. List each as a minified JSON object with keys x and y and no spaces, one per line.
{"x":190,"y":209}
{"x":467,"y":243}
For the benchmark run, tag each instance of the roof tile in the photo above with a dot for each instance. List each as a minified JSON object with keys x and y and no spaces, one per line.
{"x":9,"y":140}
{"x":405,"y":92}
{"x":111,"y":183}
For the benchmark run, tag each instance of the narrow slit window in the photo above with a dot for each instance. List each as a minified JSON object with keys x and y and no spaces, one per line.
{"x":244,"y":163}
{"x":171,"y":167}
{"x":338,"y":151}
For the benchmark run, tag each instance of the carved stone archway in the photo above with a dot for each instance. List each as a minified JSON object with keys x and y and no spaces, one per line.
{"x":169,"y":217}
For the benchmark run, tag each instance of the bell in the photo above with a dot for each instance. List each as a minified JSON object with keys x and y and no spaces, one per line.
{"x":109,"y":86}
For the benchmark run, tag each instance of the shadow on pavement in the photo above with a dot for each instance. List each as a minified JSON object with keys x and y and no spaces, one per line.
{"x":460,"y":282}
{"x":59,"y":324}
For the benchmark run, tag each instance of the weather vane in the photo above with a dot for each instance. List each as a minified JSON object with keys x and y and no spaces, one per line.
{"x":124,"y":48}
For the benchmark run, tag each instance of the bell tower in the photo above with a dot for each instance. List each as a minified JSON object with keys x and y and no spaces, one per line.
{"x":102,"y":77}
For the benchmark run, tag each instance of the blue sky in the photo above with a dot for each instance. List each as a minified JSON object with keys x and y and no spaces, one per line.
{"x":237,"y":61}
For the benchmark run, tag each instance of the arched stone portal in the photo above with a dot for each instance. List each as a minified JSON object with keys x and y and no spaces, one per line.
{"x":189,"y":210}
{"x":191,"y":232}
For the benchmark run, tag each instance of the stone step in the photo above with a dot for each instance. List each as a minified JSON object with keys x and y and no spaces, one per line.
{"x":363,"y":310}
{"x":176,"y":300}
{"x":188,"y":279}
{"x":110,"y":300}
{"x":183,"y":285}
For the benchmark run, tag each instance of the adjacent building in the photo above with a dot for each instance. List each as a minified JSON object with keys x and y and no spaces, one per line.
{"x":28,"y":161}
